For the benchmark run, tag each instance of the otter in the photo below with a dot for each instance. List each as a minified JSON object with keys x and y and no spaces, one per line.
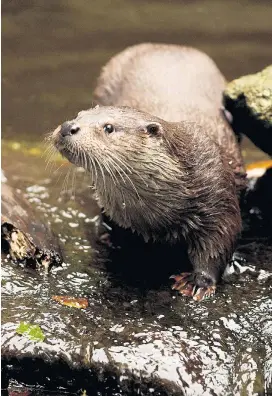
{"x":162,"y":158}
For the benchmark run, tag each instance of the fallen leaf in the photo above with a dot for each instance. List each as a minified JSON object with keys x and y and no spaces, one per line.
{"x":72,"y":301}
{"x":32,"y":331}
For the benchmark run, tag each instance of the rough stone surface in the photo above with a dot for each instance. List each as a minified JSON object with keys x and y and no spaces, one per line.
{"x":136,"y":336}
{"x":25,"y":236}
{"x":249,"y":100}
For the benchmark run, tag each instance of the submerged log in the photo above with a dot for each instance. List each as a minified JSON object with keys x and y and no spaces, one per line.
{"x":25,"y":237}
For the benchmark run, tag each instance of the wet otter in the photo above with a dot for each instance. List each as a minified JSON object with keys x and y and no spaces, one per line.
{"x":168,"y":178}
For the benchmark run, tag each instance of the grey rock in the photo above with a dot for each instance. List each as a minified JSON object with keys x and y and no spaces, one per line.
{"x":249,"y":100}
{"x":135,"y":337}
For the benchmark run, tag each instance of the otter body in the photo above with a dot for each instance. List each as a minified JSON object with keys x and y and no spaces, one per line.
{"x":161,"y":156}
{"x":175,"y":83}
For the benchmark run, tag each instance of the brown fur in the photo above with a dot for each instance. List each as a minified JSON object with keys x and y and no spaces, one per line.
{"x":178,"y":184}
{"x":174,"y":83}
{"x":174,"y":186}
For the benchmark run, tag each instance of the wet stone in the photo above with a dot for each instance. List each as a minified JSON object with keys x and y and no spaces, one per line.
{"x":24,"y":236}
{"x":249,"y":100}
{"x":136,"y":336}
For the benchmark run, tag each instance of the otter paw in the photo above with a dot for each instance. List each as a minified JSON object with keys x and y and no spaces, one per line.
{"x":204,"y":293}
{"x":185,"y":284}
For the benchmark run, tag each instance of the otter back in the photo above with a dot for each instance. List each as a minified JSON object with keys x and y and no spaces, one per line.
{"x":175,"y":83}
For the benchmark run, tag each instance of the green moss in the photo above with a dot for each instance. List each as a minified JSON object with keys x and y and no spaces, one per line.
{"x":33,"y":332}
{"x":254,"y":92}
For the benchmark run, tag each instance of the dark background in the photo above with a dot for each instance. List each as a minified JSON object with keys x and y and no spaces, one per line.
{"x":52,"y":50}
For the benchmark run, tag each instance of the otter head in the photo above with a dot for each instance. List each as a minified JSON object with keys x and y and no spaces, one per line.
{"x":126,"y":154}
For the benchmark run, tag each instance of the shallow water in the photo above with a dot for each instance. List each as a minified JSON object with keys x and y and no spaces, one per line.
{"x":52,"y":54}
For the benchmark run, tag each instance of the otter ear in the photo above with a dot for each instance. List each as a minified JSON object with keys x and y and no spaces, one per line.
{"x":154,"y":129}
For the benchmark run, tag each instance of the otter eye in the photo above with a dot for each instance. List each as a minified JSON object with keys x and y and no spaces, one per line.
{"x":153,"y":129}
{"x":108,"y":128}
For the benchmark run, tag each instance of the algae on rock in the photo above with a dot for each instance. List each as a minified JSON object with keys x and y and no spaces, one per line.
{"x":249,"y":99}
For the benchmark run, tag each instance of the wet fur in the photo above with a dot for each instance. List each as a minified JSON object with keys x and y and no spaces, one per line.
{"x":175,"y":83}
{"x":181,"y":185}
{"x":176,"y":186}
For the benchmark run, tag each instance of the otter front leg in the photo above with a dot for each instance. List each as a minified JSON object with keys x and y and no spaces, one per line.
{"x":199,"y":284}
{"x":194,"y":285}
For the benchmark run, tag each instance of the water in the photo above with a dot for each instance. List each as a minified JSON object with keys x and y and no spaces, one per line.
{"x":53,"y":51}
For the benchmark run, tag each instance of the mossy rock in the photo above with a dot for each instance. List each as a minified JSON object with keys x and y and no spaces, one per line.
{"x":249,"y":99}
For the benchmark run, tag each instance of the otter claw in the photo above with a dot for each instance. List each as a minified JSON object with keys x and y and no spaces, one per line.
{"x":184,"y":284}
{"x":181,"y":281}
{"x":204,"y":293}
{"x":181,"y":276}
{"x":188,"y":290}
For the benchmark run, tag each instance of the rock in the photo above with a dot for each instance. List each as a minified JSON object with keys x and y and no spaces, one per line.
{"x":25,"y":238}
{"x":249,"y":100}
{"x":136,"y":336}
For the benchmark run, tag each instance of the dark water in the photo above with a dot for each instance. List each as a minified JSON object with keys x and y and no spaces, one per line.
{"x":53,"y":50}
{"x":52,"y":53}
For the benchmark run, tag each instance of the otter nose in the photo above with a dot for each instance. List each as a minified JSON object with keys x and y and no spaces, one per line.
{"x":68,"y":129}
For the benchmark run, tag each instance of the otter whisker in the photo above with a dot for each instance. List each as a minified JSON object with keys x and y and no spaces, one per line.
{"x":126,"y":166}
{"x":58,"y":179}
{"x":50,"y":164}
{"x":56,"y":170}
{"x":90,"y":166}
{"x":49,"y":136}
{"x":49,"y":147}
{"x":49,"y":151}
{"x":87,"y":164}
{"x":102,"y":173}
{"x":50,"y":155}
{"x":81,"y":160}
{"x":130,"y":169}
{"x":128,"y":178}
{"x":94,"y":168}
{"x":108,"y":169}
{"x":65,"y":182}
{"x":73,"y":188}
{"x":60,"y":174}
{"x":112,"y":164}
{"x":116,"y":166}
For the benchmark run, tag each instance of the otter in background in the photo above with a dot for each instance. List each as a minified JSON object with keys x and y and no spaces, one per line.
{"x":175,"y":83}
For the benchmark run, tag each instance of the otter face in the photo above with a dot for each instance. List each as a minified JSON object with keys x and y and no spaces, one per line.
{"x":106,"y":125}
{"x":98,"y":135}
{"x":125,"y":153}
